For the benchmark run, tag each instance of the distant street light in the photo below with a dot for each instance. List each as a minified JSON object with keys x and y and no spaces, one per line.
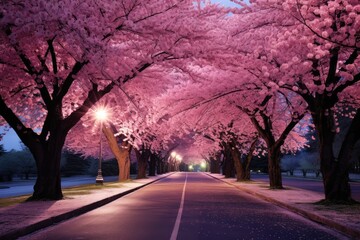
{"x":191,"y":167}
{"x":203,"y":166}
{"x":179,"y":158}
{"x":175,"y":161}
{"x":101,"y":115}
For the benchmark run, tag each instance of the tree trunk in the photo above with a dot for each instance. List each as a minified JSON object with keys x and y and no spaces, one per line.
{"x":247,"y":162}
{"x":338,"y":187}
{"x":48,"y":157}
{"x":273,"y":146}
{"x":275,"y":177}
{"x":334,"y":171}
{"x":215,"y":161}
{"x":248,"y":159}
{"x":239,"y":168}
{"x":166,"y":168}
{"x":228,"y":164}
{"x":160,"y":166}
{"x":152,"y":164}
{"x":122,"y":154}
{"x":214,"y":165}
{"x":142,"y":159}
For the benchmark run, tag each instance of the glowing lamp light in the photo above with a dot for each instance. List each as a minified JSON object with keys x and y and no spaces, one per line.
{"x":101,"y":114}
{"x":178,"y":157}
{"x":173,"y":154}
{"x":203,"y":165}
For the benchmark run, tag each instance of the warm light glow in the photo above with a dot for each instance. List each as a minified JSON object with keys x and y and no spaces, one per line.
{"x":191,"y":167}
{"x":101,"y":114}
{"x":173,"y":154}
{"x":203,"y":164}
{"x":178,"y":157}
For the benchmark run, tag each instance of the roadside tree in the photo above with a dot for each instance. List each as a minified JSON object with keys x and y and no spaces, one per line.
{"x":59,"y":59}
{"x":318,"y":49}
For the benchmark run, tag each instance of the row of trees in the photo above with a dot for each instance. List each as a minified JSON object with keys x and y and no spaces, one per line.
{"x":247,"y":81}
{"x":295,"y":67}
{"x":59,"y":59}
{"x":20,"y":164}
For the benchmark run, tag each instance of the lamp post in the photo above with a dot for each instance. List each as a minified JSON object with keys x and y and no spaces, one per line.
{"x":101,"y":116}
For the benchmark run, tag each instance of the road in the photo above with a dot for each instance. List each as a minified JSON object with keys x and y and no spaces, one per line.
{"x":311,"y":184}
{"x":187,"y":206}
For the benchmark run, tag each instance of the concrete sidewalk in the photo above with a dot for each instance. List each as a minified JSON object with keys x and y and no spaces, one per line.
{"x":343,"y":218}
{"x":21,"y":219}
{"x":24,"y":218}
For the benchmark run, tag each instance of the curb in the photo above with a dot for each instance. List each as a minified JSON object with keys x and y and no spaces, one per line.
{"x":311,"y":216}
{"x":70,"y":214}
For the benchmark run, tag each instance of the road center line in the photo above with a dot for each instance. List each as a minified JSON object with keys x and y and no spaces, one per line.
{"x":178,"y":218}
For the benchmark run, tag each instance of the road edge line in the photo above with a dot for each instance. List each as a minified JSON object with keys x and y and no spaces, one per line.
{"x":175,"y":231}
{"x":70,"y":214}
{"x":311,"y":216}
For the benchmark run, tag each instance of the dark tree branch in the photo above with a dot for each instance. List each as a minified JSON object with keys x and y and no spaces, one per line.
{"x":287,"y":130}
{"x":331,"y":76}
{"x":53,"y":55}
{"x":135,"y":72}
{"x":261,"y":131}
{"x":27,"y":135}
{"x":341,"y":87}
{"x":69,"y":80}
{"x":93,"y":97}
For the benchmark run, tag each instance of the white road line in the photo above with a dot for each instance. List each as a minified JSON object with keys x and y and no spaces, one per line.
{"x":178,"y":218}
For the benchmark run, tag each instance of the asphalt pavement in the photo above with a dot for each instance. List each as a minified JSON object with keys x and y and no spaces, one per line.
{"x":188,"y":206}
{"x":179,"y":206}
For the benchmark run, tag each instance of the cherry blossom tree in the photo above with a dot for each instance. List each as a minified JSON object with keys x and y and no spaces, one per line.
{"x":40,"y":62}
{"x":207,"y":105}
{"x":318,"y":49}
{"x":60,"y":58}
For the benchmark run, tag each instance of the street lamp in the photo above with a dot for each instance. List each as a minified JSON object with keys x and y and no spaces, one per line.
{"x":191,"y":167}
{"x":203,"y":165}
{"x":100,"y":115}
{"x":172,"y":161}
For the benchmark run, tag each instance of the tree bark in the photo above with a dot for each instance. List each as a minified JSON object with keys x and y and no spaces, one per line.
{"x":152,"y":164}
{"x":275,"y":177}
{"x":342,"y":186}
{"x":248,"y":159}
{"x":122,"y":154}
{"x":335,"y":171}
{"x":214,"y":165}
{"x":160,"y":169}
{"x":239,"y":168}
{"x":215,"y":161}
{"x":166,"y":167}
{"x":142,"y":159}
{"x":48,"y":158}
{"x":228,"y":164}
